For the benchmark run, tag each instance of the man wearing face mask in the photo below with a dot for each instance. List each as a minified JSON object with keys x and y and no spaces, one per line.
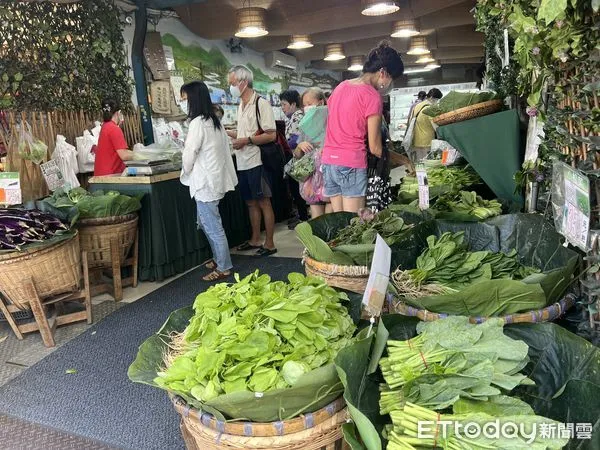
{"x":355,"y":111}
{"x":424,"y":127}
{"x":253,"y":181}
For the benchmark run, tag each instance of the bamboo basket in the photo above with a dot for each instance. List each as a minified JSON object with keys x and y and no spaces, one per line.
{"x":469,"y":112}
{"x":351,"y":278}
{"x":321,"y":430}
{"x":548,"y":314}
{"x":96,"y":236}
{"x":54,"y":270}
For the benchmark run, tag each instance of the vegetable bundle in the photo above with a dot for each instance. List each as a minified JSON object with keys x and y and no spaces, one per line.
{"x":447,"y":265}
{"x":21,"y":227}
{"x":461,"y":368}
{"x":355,"y":243}
{"x":443,"y":180}
{"x":256,"y":336}
{"x":79,"y":203}
{"x":469,"y":203}
{"x":455,"y":100}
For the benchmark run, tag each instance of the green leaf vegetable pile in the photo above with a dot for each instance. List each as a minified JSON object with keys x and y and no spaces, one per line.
{"x":257,"y":335}
{"x":443,"y":180}
{"x":469,"y":203}
{"x":455,"y":100}
{"x":355,"y":243}
{"x":457,"y":371}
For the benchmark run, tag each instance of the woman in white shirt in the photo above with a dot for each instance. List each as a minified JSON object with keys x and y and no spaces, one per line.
{"x":208,"y":170}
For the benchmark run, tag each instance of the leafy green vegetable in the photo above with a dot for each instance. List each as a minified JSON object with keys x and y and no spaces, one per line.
{"x":469,"y":203}
{"x":441,"y":181}
{"x":257,"y":336}
{"x":455,"y":100}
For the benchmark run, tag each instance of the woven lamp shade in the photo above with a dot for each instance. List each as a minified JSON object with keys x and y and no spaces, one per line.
{"x":299,"y":41}
{"x":251,"y":22}
{"x":356,"y":63}
{"x":404,"y":29}
{"x":425,"y":59}
{"x":418,"y":46}
{"x":334,"y":52}
{"x":378,"y":7}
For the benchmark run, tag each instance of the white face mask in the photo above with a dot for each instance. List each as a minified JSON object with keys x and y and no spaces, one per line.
{"x":235,"y":91}
{"x":184,"y":107}
{"x":309,"y":107}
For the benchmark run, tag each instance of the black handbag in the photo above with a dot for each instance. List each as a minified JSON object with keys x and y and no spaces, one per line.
{"x":272,"y":154}
{"x":379,"y":188}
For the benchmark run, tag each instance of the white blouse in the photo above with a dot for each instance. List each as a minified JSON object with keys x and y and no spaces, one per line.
{"x":207,"y":164}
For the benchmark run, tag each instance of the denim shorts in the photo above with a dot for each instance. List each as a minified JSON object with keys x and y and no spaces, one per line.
{"x":344,"y":181}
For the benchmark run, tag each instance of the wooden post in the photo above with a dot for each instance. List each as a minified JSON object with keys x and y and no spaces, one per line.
{"x":115,"y":254}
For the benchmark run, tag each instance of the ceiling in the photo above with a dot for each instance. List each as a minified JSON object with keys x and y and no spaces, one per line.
{"x":448,"y":25}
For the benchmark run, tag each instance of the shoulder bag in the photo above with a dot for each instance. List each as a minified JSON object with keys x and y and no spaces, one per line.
{"x":272,"y":155}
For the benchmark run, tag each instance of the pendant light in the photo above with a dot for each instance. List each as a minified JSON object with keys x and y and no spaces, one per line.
{"x":356,"y":63}
{"x":251,"y":22}
{"x":425,"y":59}
{"x":418,"y":46}
{"x":334,"y":52}
{"x":378,"y":7}
{"x":300,"y":41}
{"x":404,"y":29}
{"x":433,"y":65}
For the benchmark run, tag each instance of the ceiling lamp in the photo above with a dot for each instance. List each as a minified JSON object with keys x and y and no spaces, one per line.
{"x":251,"y":22}
{"x":378,"y":7}
{"x":404,"y":29}
{"x":418,"y":46}
{"x":356,"y":63}
{"x":425,"y":59}
{"x":433,"y":65}
{"x":334,"y":52}
{"x":416,"y":70}
{"x":300,"y":41}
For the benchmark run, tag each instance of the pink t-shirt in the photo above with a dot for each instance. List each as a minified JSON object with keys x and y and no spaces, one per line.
{"x":350,"y":105}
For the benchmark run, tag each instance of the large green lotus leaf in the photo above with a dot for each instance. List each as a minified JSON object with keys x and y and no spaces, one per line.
{"x":328,"y":225}
{"x":566,"y":371}
{"x":354,"y":366}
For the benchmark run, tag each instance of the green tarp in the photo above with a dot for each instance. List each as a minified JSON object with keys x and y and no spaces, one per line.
{"x":170,"y":242}
{"x":491,"y":144}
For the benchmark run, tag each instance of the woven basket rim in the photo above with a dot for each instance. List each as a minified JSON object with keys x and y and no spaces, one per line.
{"x":554,"y":310}
{"x":112,"y":220}
{"x":449,"y":116}
{"x":26,"y":254}
{"x":209,"y":421}
{"x":335,"y":269}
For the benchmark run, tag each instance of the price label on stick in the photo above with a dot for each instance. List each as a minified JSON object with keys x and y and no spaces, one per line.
{"x":379,"y":276}
{"x":52,"y":175}
{"x":423,"y":187}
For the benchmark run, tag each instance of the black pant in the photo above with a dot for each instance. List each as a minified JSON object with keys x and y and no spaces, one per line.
{"x":300,"y":203}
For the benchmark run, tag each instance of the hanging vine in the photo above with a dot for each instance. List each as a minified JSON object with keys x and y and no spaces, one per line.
{"x":61,"y":56}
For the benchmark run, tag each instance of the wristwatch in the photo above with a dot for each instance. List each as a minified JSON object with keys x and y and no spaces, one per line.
{"x":250,"y":140}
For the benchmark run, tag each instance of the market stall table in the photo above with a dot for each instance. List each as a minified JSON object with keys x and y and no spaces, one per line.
{"x":169,"y":241}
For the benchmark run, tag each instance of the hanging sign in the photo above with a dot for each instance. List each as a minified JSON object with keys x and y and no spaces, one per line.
{"x":10,"y":188}
{"x":52,"y":174}
{"x":379,"y":277}
{"x":423,"y":187}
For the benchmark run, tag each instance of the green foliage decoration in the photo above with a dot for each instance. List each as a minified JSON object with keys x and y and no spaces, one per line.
{"x":62,"y":56}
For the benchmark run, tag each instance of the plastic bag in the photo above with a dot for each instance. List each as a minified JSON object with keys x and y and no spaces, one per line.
{"x":30,"y":148}
{"x":303,"y":167}
{"x":311,"y":189}
{"x":65,"y":156}
{"x":85,"y":151}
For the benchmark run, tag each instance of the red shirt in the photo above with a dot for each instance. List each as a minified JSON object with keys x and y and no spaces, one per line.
{"x":111,"y":139}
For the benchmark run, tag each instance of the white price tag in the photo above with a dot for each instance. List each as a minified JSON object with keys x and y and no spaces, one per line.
{"x":10,"y":188}
{"x":423,"y":188}
{"x":379,"y":276}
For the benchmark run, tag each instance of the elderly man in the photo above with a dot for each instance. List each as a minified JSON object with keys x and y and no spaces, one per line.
{"x":253,"y":180}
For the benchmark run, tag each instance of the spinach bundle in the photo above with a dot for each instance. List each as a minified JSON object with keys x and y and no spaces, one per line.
{"x":469,"y":203}
{"x":463,"y":371}
{"x":256,"y":336}
{"x":443,"y":180}
{"x":22,"y":227}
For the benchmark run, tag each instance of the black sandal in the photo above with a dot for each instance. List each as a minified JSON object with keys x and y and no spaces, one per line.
{"x":265,"y":252}
{"x":247,"y":246}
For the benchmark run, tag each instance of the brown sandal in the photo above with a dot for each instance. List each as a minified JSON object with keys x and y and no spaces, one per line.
{"x":210,"y":264}
{"x":215,"y":275}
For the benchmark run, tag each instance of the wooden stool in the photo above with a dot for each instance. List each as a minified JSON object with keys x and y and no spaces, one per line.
{"x":115,"y":287}
{"x":46,"y":326}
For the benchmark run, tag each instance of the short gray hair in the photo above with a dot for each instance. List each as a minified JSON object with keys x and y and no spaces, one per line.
{"x":242,"y":73}
{"x":315,"y":92}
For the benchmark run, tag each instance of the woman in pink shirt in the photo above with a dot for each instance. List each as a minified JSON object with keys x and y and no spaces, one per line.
{"x":355,"y":109}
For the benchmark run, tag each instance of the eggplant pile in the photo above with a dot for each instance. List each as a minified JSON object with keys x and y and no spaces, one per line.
{"x":20,"y":227}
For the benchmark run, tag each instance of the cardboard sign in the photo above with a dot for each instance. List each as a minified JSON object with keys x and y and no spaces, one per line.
{"x":161,"y":97}
{"x":379,"y":277}
{"x":10,"y":188}
{"x":52,"y":174}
